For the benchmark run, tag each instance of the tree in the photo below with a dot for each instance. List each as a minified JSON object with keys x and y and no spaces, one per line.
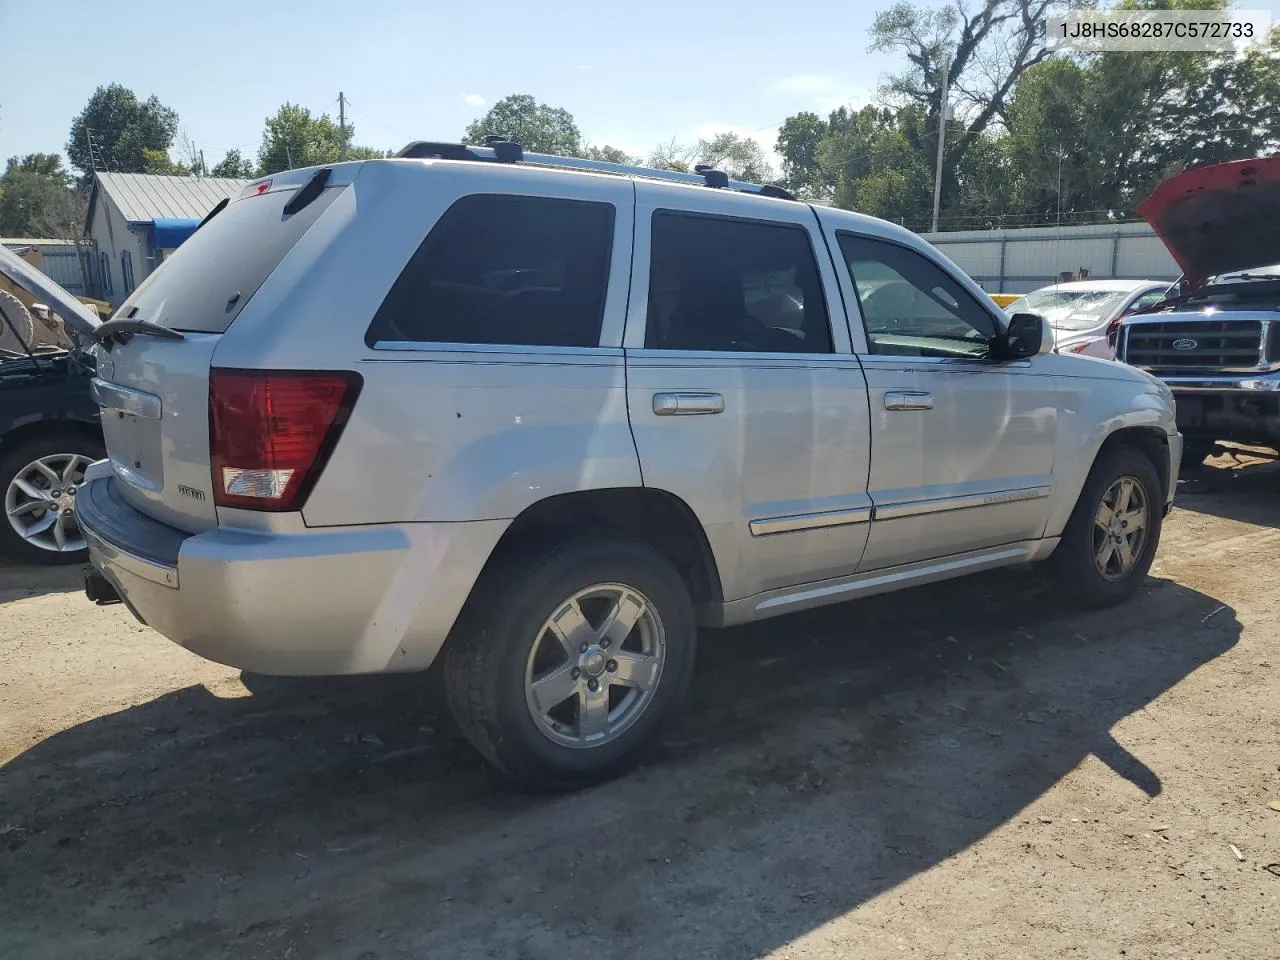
{"x":159,"y":162}
{"x":294,"y":138}
{"x":1116,"y":124}
{"x":609,"y":155}
{"x":799,"y":139}
{"x":123,"y":129}
{"x":984,"y":54}
{"x":233,"y":165}
{"x":537,"y":127}
{"x":674,"y":156}
{"x":37,"y":199}
{"x":740,"y":157}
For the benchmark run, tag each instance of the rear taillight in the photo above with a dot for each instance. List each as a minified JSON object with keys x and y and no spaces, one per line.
{"x":270,"y":433}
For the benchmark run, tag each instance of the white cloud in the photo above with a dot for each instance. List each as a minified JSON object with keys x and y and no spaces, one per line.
{"x":473,"y":100}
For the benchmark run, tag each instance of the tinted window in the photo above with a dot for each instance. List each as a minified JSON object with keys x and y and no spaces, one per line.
{"x":910,"y":306}
{"x":208,"y":280}
{"x":528,"y":271}
{"x":720,"y":284}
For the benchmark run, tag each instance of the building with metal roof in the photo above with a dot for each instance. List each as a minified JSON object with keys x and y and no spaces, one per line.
{"x":137,"y":219}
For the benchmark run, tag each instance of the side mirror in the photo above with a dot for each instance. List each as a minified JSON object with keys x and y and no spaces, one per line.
{"x":1029,"y":335}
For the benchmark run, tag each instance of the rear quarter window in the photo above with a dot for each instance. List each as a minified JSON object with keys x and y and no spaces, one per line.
{"x":504,"y":269}
{"x":206,"y":282}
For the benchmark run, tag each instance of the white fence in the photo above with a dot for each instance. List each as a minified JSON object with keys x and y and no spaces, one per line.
{"x":1017,"y":261}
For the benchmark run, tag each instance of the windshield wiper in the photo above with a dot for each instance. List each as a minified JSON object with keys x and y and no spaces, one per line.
{"x":122,"y":328}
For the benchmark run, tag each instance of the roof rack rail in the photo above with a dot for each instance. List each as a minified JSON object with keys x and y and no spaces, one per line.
{"x":502,"y":150}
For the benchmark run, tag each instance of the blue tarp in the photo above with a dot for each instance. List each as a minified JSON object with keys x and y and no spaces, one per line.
{"x":167,"y":233}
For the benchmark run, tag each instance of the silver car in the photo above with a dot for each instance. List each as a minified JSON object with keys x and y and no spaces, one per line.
{"x":545,"y":422}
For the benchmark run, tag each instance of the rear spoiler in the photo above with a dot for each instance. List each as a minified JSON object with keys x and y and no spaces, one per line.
{"x":80,"y":319}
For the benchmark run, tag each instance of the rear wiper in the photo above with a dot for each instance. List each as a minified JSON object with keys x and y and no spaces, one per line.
{"x":122,"y":328}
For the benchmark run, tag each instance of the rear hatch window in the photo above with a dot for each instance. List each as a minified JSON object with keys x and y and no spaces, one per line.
{"x":207,"y":281}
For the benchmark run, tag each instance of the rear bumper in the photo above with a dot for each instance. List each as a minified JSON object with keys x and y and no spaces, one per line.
{"x":314,"y":602}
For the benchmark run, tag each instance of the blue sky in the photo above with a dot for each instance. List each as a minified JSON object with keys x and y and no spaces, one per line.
{"x":632,"y":75}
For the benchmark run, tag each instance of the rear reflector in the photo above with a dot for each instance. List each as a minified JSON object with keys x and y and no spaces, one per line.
{"x":270,"y":433}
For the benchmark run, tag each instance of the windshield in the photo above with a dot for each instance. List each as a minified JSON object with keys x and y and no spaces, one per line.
{"x":1072,"y":309}
{"x":1256,"y":273}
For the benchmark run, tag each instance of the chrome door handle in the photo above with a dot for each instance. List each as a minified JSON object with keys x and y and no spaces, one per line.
{"x":687,"y":404}
{"x":908,"y":400}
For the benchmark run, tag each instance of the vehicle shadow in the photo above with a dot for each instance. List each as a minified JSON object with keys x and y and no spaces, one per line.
{"x":1247,"y":489}
{"x":823,"y":759}
{"x":19,"y":581}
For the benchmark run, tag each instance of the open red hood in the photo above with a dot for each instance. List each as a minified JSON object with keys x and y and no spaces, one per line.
{"x":1219,"y":219}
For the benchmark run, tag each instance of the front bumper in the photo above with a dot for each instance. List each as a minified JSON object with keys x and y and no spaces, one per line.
{"x":1245,"y":410}
{"x":1175,"y":462}
{"x":318,"y":601}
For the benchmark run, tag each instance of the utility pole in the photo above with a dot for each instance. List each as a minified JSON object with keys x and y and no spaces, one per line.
{"x":203,"y":169}
{"x":942,"y":139}
{"x":1061,"y":151}
{"x":342,"y":126}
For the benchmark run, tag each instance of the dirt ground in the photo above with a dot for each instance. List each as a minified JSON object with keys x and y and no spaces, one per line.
{"x":967,"y":770}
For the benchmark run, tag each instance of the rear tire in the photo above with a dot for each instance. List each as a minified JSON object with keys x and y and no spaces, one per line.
{"x":1099,"y":564}
{"x":559,"y":714}
{"x":66,"y":453}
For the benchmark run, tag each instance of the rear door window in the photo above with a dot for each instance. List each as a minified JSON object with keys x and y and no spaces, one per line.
{"x":206,"y":282}
{"x":721,"y":284}
{"x":504,"y":269}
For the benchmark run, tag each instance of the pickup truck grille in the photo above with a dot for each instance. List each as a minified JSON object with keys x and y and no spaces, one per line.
{"x":1200,"y":344}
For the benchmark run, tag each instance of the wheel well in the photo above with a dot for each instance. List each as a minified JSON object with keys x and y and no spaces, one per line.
{"x":654,"y":517}
{"x":1151,"y":442}
{"x":49,"y":428}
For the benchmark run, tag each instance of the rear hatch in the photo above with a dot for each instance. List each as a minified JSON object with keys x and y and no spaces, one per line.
{"x":154,"y":386}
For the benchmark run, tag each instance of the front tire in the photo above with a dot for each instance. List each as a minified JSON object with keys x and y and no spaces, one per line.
{"x":1111,"y":538}
{"x":567,"y":656}
{"x":39,"y":478}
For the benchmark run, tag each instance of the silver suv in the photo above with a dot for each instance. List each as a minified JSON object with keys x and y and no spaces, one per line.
{"x":545,"y":422}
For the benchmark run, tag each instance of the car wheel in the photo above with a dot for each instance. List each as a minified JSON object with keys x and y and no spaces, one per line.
{"x":1111,"y":538}
{"x":39,"y":478}
{"x":567,"y":656}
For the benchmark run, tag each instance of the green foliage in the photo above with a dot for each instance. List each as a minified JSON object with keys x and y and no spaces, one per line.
{"x":608,"y":154}
{"x":37,"y":199}
{"x":799,"y":140}
{"x":740,"y":157}
{"x":1082,"y":138}
{"x":294,"y":138}
{"x":233,"y":165}
{"x":123,"y":129}
{"x":159,"y":161}
{"x":536,"y":126}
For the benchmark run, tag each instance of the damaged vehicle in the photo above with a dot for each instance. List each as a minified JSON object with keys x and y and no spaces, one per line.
{"x":1216,"y":341}
{"x":49,"y":423}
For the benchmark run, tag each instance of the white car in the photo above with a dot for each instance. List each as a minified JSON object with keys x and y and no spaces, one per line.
{"x":1085,"y":314}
